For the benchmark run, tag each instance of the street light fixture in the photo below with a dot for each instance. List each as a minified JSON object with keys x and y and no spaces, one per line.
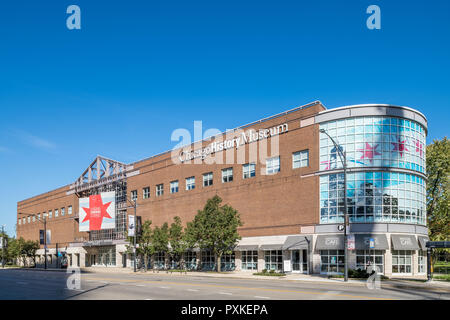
{"x":343,"y":158}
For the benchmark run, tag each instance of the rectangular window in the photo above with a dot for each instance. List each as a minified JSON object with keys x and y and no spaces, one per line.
{"x":190,"y":183}
{"x":248,"y":170}
{"x":56,"y":213}
{"x":29,"y":219}
{"x":273,"y":260}
{"x":332,"y":261}
{"x":160,"y":260}
{"x":273,"y":165}
{"x":421,"y":261}
{"x":69,"y":210}
{"x":228,"y":262}
{"x":250,"y":260}
{"x":20,"y":221}
{"x":63,"y":211}
{"x":146,"y":193}
{"x":134,"y":195}
{"x":300,"y":159}
{"x":174,"y":186}
{"x":190,"y":259}
{"x":24,"y":220}
{"x":227,"y":175}
{"x":50,"y":214}
{"x":39,"y":216}
{"x":366,"y":258}
{"x":208,"y":261}
{"x":402,"y":261}
{"x":34,"y":218}
{"x":208,"y":179}
{"x":159,"y":189}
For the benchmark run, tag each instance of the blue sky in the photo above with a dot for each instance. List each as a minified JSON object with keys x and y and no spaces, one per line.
{"x":137,"y":70}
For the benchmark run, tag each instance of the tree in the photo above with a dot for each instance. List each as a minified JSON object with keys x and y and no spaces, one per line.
{"x":13,"y":250}
{"x":21,"y":243}
{"x":438,"y":190}
{"x":176,"y":240}
{"x":145,"y":242}
{"x":160,"y":238}
{"x":30,"y":248}
{"x":215,"y":228}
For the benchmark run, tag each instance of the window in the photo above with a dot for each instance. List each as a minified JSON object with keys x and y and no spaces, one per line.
{"x":300,"y":159}
{"x":332,"y":261}
{"x":174,"y":186}
{"x":160,"y":260}
{"x":248,"y":170}
{"x":190,"y":183}
{"x":134,"y":195}
{"x":208,"y":261}
{"x":69,"y":210}
{"x":39,"y":216}
{"x":159,"y":189}
{"x":56,"y":213}
{"x":227,"y":175}
{"x":29,"y":219}
{"x":250,"y":260}
{"x":63,"y":211}
{"x":190,"y":259}
{"x":365,"y":258}
{"x":274,"y":260}
{"x":273,"y":165}
{"x":401,"y":261}
{"x":34,"y":218}
{"x":24,"y":220}
{"x":421,"y":261}
{"x":146,"y":192}
{"x":208,"y":179}
{"x":50,"y":214}
{"x":227,"y":262}
{"x":20,"y":221}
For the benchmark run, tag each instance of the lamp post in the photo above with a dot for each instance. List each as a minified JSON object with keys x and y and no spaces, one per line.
{"x":343,"y":158}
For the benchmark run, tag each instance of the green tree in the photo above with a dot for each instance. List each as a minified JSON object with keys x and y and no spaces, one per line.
{"x":438,"y":188}
{"x":13,"y":250}
{"x":176,"y":239}
{"x":215,"y":228}
{"x":145,"y":242}
{"x":30,"y":248}
{"x":21,"y":247}
{"x":160,"y":238}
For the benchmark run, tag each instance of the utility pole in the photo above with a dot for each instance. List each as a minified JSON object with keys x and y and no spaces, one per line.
{"x":343,"y":158}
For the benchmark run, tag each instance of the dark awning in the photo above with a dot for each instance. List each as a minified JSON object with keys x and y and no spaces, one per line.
{"x":250,"y":247}
{"x":330,"y":242}
{"x":404,"y":242}
{"x":363,"y":241}
{"x":297,"y":242}
{"x":278,"y":246}
{"x":423,"y":241}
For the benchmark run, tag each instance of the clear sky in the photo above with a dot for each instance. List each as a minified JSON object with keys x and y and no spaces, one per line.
{"x":137,"y":70}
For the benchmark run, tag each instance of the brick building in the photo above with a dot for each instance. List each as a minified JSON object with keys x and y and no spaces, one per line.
{"x":284,"y":177}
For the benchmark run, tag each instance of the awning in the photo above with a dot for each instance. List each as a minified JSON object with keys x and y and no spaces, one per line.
{"x":330,"y":242}
{"x":363,"y":241}
{"x":423,"y":241}
{"x":297,"y":242}
{"x":404,"y":242}
{"x":249,"y":247}
{"x":278,"y":246}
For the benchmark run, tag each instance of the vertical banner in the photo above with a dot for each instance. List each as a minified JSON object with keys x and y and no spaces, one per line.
{"x":131,"y":226}
{"x":49,"y":237}
{"x":41,"y":236}
{"x":351,"y":242}
{"x":1,"y":242}
{"x":98,"y":212}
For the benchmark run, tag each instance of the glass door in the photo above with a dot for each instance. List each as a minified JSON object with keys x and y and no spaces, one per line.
{"x":305,"y":261}
{"x":296,"y":263}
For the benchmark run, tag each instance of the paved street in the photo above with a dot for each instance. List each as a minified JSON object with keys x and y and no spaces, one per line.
{"x":25,"y":284}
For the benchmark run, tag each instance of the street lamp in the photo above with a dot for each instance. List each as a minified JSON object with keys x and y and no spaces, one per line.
{"x":343,"y":158}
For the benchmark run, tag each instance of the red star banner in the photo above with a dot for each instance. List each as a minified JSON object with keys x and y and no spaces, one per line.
{"x":97,"y":212}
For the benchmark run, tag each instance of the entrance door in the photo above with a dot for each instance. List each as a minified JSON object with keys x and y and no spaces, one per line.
{"x":300,"y":261}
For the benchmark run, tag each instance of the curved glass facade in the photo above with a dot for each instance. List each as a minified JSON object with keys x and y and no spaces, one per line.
{"x":374,"y":196}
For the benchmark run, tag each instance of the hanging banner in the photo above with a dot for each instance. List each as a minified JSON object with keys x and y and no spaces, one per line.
{"x":351,"y":242}
{"x":131,"y":226}
{"x":49,"y":237}
{"x":98,"y":212}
